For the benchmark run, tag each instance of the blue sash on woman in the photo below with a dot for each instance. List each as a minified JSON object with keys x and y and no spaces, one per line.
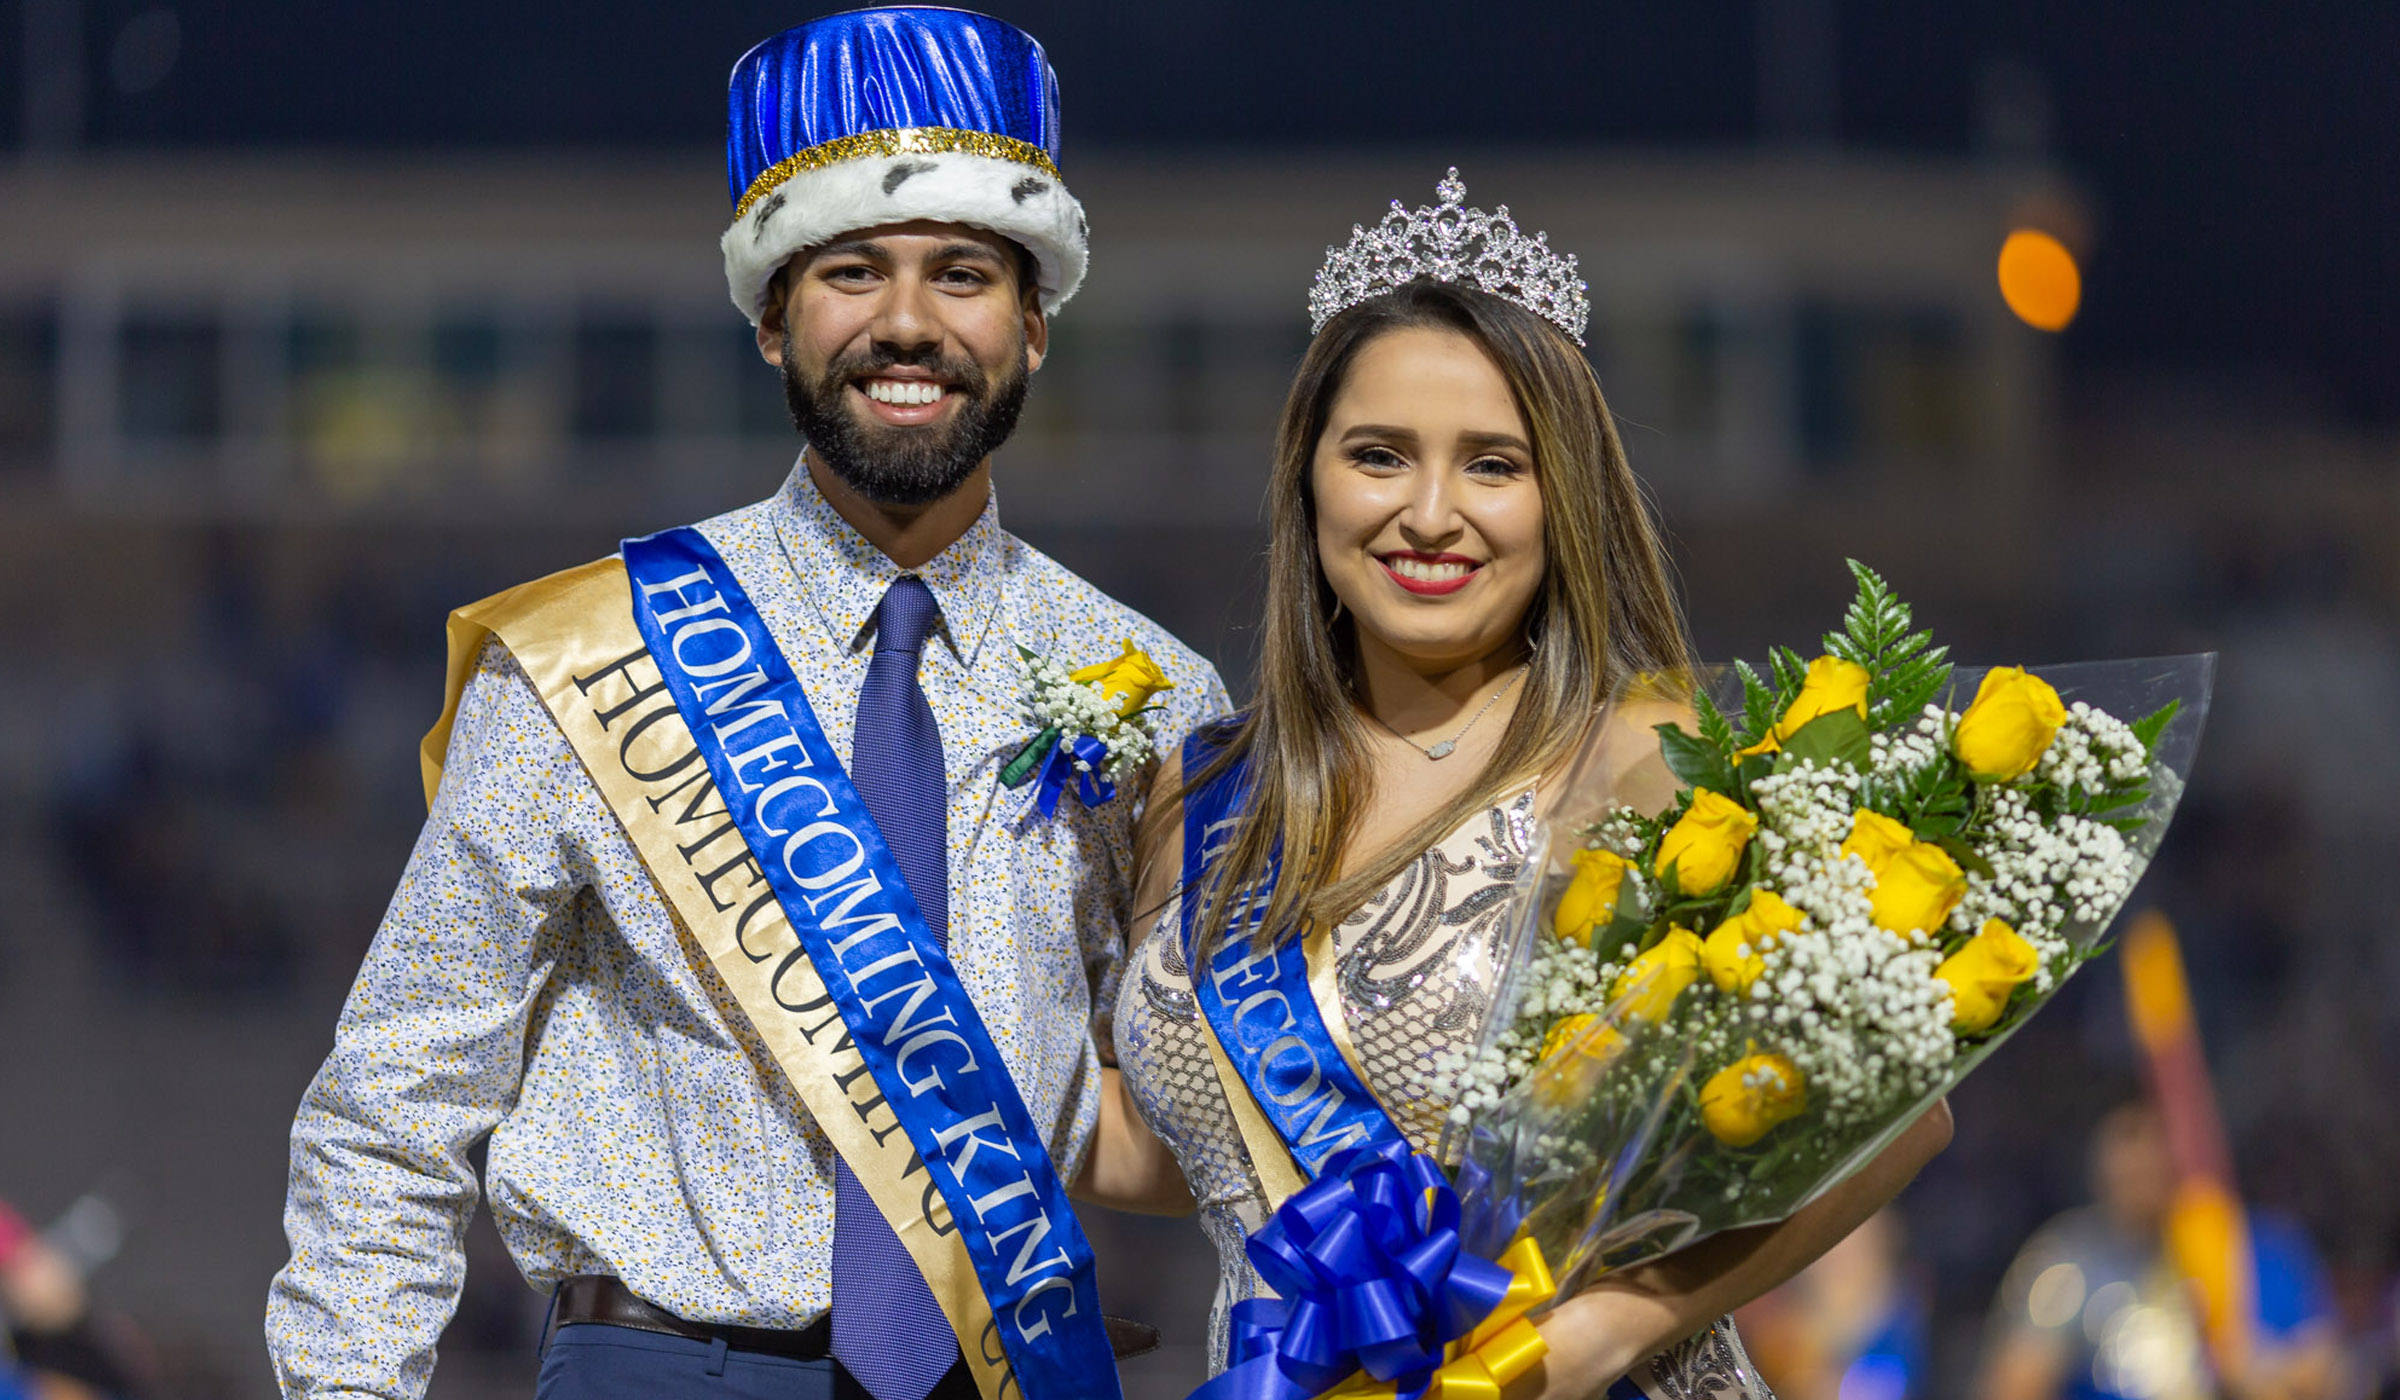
{"x":1257,"y":1000}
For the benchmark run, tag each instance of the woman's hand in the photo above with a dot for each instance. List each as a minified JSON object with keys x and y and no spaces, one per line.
{"x":1128,"y":1168}
{"x":1633,"y":1314}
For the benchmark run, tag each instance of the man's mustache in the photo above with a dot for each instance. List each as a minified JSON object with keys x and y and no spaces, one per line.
{"x":961,"y":374}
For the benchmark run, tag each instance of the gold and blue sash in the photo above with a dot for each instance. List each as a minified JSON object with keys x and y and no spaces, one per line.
{"x":673,"y":694}
{"x":1378,"y":1289}
{"x":1261,"y":1006}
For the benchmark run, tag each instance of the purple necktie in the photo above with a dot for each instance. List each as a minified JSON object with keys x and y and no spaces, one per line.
{"x":888,"y":1332}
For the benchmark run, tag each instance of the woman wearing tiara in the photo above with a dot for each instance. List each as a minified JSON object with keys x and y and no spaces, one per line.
{"x":1461,"y":566}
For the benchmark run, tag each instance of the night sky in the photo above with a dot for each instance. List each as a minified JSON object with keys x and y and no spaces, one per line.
{"x":2243,"y":161}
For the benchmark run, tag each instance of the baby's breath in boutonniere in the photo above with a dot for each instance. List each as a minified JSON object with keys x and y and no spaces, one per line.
{"x":1093,"y":722}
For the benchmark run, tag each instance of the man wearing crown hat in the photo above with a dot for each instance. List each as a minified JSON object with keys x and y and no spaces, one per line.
{"x":773,"y":997}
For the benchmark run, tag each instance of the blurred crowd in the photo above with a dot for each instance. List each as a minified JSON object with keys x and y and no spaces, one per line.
{"x":2092,"y":1307}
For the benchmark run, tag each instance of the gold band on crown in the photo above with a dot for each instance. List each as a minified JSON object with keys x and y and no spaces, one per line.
{"x":912,"y":140}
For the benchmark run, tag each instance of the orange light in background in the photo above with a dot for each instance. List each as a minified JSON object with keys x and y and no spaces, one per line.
{"x":2039,"y":280}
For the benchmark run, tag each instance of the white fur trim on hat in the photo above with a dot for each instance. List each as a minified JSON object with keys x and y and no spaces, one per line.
{"x":815,"y":206}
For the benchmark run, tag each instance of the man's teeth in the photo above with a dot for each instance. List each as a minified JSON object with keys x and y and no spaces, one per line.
{"x":904,"y":391}
{"x":1427,"y":570}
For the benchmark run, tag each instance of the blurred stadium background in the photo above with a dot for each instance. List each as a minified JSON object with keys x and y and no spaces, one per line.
{"x":316,"y":323}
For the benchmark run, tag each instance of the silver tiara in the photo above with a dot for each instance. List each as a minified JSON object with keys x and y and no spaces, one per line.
{"x":1451,"y":243}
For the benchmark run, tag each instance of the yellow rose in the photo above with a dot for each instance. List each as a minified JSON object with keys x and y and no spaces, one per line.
{"x":1658,"y":976}
{"x":1743,"y":1102}
{"x":1917,"y":884}
{"x":2009,"y":727}
{"x":1831,"y":684}
{"x":1875,"y":839}
{"x":1590,"y":901}
{"x":1128,"y":680}
{"x":1705,"y":848}
{"x":1565,"y":1033}
{"x":1983,"y":973}
{"x":1735,"y":952}
{"x":1917,"y":890}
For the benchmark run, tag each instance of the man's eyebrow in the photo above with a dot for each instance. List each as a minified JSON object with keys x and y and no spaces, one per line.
{"x":963,"y":251}
{"x":866,"y":248}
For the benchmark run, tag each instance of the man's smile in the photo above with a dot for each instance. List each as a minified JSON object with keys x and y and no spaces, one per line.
{"x":903,"y":400}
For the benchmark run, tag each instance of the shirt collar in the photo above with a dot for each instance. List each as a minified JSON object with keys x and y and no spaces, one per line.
{"x":846,"y":577}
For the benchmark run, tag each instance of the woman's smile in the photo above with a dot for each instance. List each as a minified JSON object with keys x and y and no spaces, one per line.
{"x":1430,"y":575}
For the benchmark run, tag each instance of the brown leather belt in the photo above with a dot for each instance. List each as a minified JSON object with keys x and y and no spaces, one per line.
{"x":604,"y":1299}
{"x":601,"y":1298}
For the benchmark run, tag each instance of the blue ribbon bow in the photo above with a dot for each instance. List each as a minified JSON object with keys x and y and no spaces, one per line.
{"x":1059,"y":772}
{"x":1371,"y":1276}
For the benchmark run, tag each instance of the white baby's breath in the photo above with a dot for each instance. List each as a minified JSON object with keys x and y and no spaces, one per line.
{"x":1858,"y":1010}
{"x":1079,"y":709}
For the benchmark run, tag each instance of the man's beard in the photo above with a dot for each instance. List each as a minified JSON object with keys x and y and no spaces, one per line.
{"x":903,"y":466}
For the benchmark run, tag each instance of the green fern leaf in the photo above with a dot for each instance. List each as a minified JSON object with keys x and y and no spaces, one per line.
{"x":2150,"y":726}
{"x":1715,"y":729}
{"x":1759,"y":710}
{"x":1880,"y":633}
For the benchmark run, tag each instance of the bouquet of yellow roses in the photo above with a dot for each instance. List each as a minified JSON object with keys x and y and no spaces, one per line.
{"x":1771,"y":917}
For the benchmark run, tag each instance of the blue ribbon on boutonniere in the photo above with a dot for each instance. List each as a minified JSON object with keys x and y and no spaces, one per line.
{"x":1092,"y":719}
{"x":1060,"y":772}
{"x":1373,"y":1279}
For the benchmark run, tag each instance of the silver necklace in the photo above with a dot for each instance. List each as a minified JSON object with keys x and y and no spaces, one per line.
{"x":1450,"y":745}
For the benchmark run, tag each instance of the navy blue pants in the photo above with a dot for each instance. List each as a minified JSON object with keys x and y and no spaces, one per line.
{"x":595,"y":1361}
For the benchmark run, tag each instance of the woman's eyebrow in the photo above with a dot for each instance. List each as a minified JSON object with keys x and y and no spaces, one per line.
{"x":1379,"y":430}
{"x":1486,"y":440}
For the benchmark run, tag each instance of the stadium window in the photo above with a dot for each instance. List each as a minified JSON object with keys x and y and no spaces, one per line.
{"x":28,"y":384}
{"x":170,"y":381}
{"x":758,"y":406}
{"x":613,"y":392}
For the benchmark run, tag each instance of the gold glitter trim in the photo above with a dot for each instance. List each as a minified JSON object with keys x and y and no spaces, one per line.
{"x":913,"y":140}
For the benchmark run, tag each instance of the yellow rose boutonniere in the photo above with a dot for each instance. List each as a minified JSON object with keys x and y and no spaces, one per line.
{"x":1590,"y":899}
{"x":1656,"y":978}
{"x":2009,"y":727}
{"x":1093,"y":726}
{"x":1735,"y":953}
{"x":1744,"y":1101}
{"x":1705,"y":848}
{"x":1831,"y":684}
{"x":1984,"y":973}
{"x":1127,"y":681}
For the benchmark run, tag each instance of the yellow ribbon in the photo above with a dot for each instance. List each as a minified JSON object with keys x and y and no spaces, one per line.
{"x":1502,"y":1347}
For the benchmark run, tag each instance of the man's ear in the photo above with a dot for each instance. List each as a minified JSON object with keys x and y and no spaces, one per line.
{"x":771,"y":317}
{"x":1037,"y":334}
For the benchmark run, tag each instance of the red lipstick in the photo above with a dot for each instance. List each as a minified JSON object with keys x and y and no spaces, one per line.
{"x":1430,"y":588}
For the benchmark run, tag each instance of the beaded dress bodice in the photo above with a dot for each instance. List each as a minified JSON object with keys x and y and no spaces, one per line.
{"x":1404,"y":1000}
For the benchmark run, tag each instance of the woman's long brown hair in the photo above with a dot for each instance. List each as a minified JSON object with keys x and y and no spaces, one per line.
{"x":1604,"y":611}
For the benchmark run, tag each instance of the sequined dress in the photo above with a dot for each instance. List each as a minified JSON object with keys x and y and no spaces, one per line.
{"x":1403,"y":1002}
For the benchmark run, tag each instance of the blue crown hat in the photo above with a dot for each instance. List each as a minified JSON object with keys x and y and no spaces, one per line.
{"x":885,"y":115}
